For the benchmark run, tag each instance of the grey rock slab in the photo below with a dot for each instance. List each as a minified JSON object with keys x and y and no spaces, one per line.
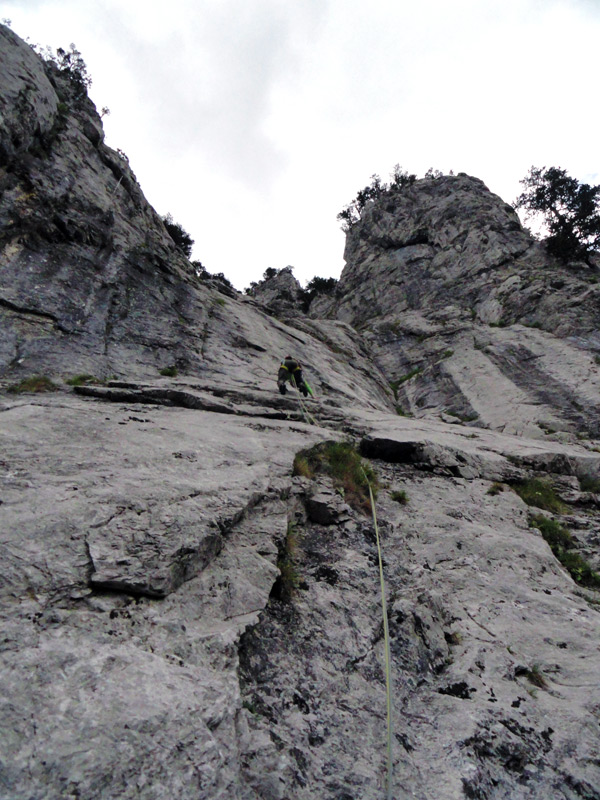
{"x":115,"y":697}
{"x":471,"y":452}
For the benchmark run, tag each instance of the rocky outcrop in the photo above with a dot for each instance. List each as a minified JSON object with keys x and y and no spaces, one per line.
{"x":281,"y":293}
{"x":189,"y":608}
{"x":467,"y":314}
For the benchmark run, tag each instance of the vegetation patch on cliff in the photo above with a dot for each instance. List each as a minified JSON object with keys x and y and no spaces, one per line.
{"x":37,"y":383}
{"x":342,"y":462}
{"x":562,"y":545}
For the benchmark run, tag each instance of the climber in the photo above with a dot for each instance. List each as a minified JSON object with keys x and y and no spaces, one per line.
{"x":291,"y":370}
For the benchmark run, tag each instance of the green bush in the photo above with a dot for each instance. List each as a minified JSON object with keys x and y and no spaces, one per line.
{"x":169,"y":372}
{"x":539,"y":493}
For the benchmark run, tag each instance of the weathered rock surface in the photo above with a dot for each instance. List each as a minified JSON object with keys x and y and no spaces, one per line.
{"x":184,"y":617}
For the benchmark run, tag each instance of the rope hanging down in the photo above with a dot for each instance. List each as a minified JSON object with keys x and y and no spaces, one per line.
{"x":306,"y":413}
{"x":386,"y":637}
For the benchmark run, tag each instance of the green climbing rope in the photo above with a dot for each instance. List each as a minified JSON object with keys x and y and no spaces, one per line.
{"x":386,"y":637}
{"x":308,"y":417}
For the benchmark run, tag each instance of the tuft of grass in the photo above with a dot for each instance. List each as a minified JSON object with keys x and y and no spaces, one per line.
{"x":553,"y":532}
{"x":83,"y":380}
{"x":495,"y":488}
{"x":400,"y":496}
{"x":403,"y":378}
{"x":535,"y":676}
{"x":342,"y":461}
{"x":539,"y":493}
{"x":447,"y":354}
{"x":37,"y":383}
{"x":302,"y":467}
{"x":169,"y":372}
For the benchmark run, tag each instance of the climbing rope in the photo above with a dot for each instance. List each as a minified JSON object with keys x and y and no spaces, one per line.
{"x":386,"y":637}
{"x":308,"y":417}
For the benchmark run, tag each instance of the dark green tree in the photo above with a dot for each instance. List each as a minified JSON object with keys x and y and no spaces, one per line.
{"x":570,"y":210}
{"x":180,"y":236}
{"x":69,"y":63}
{"x":314,"y":287}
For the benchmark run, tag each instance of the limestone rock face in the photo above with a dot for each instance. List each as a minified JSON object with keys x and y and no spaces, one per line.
{"x":190,"y":606}
{"x":467,"y":314}
{"x":86,"y":265}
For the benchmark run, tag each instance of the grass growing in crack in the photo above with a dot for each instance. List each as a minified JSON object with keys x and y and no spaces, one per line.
{"x":37,"y":383}
{"x":495,"y":489}
{"x":342,"y":461}
{"x":539,"y":493}
{"x":403,"y":378}
{"x":561,"y":543}
{"x":400,"y":496}
{"x":83,"y":380}
{"x":169,"y":372}
{"x":535,"y":676}
{"x":287,"y":582}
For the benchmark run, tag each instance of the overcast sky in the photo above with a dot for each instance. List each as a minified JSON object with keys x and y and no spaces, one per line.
{"x":253,"y":122}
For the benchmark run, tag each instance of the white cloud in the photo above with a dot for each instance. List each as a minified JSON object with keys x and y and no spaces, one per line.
{"x":254,"y":123}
